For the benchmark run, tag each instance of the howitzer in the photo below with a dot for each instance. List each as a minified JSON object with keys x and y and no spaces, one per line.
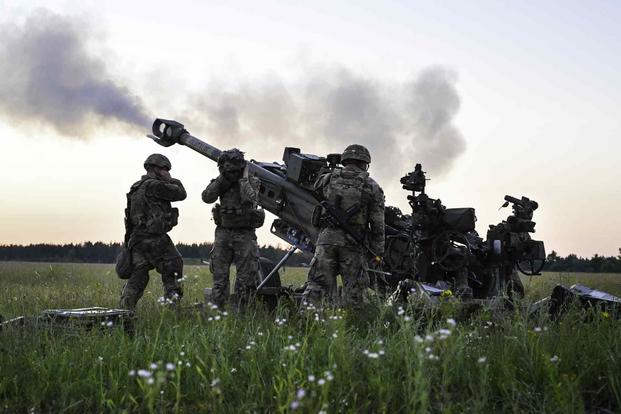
{"x":441,"y":244}
{"x":285,"y":191}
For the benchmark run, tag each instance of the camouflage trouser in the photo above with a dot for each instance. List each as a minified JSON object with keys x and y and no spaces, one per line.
{"x":330,"y":261}
{"x":153,"y":253}
{"x":237,"y":246}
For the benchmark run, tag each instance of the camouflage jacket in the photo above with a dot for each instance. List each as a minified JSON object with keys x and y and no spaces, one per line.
{"x":238,"y":202}
{"x":150,"y":212}
{"x":348,"y":188}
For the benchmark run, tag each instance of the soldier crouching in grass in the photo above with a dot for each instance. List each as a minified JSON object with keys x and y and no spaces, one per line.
{"x":236,"y":217}
{"x":342,"y":247}
{"x":148,"y":218}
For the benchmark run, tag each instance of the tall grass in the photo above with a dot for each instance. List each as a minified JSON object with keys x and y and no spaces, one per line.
{"x":393,"y":361}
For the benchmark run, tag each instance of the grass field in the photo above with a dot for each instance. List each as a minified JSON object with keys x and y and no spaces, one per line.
{"x":303,"y":362}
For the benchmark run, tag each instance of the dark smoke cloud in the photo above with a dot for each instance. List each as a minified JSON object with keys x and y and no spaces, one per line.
{"x":401,"y":123}
{"x":48,"y":76}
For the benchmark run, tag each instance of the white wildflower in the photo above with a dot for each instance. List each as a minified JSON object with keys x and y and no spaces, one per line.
{"x":132,"y":373}
{"x":153,"y":365}
{"x":295,"y":405}
{"x":321,"y":381}
{"x":311,"y":378}
{"x":554,"y":359}
{"x":143,"y":373}
{"x":482,"y":360}
{"x":537,"y":329}
{"x":451,"y":322}
{"x":301,"y":393}
{"x":418,"y":339}
{"x":150,"y":381}
{"x":170,"y":366}
{"x":215,"y":382}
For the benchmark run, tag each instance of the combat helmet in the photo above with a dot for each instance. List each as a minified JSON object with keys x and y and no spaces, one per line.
{"x":157,"y":160}
{"x":356,"y":152}
{"x":231,"y":160}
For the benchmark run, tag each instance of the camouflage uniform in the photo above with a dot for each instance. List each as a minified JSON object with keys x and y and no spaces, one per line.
{"x":151,"y":217}
{"x":337,"y":252}
{"x":236,"y":218}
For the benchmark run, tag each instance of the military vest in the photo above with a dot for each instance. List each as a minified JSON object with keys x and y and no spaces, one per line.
{"x":150,"y":215}
{"x":346,"y":191}
{"x":235,"y":213}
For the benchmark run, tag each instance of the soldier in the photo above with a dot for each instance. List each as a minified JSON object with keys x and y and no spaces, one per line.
{"x":353,"y":192}
{"x":236,"y":218}
{"x":149,"y":217}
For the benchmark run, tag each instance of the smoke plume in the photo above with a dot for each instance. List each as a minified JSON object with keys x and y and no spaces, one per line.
{"x":48,"y":76}
{"x":327,"y":109}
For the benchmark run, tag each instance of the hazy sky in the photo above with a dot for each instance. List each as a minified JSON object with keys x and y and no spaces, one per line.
{"x":493,"y":98}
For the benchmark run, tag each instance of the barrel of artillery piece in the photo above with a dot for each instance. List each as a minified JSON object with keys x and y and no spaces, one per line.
{"x":292,"y":204}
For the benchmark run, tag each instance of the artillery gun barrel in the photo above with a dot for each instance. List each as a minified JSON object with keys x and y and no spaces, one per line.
{"x":167,"y":132}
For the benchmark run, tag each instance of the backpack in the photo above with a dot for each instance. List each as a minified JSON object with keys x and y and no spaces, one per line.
{"x":345,"y":191}
{"x":123,"y":265}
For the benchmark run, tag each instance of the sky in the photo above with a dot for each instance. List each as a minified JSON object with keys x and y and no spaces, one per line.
{"x":493,"y":98}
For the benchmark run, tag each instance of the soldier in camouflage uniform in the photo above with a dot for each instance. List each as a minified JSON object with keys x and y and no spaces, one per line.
{"x":150,"y":217}
{"x":236,"y":218}
{"x":350,"y":190}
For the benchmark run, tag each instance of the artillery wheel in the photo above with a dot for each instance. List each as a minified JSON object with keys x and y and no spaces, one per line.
{"x":531,"y":267}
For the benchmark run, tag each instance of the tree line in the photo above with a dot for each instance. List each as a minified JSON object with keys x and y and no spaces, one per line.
{"x":99,"y":252}
{"x":573,"y":263}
